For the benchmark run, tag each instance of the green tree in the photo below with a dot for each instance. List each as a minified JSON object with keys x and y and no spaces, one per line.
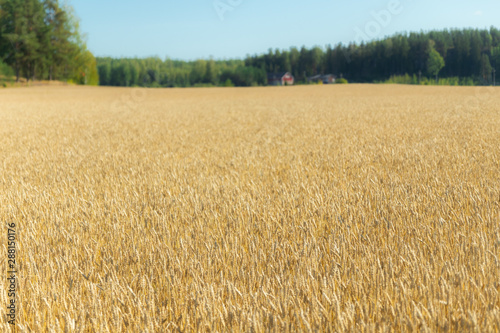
{"x":434,"y":62}
{"x":34,"y":31}
{"x":211,"y":72}
{"x":134,"y":74}
{"x":41,"y":39}
{"x":6,"y":71}
{"x":61,"y":49}
{"x":85,"y":71}
{"x":199,"y":71}
{"x":486,"y":68}
{"x":12,"y":23}
{"x":104,"y":74}
{"x":120,"y":74}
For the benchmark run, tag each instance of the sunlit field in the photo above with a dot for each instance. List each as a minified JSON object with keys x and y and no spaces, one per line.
{"x":315,"y":208}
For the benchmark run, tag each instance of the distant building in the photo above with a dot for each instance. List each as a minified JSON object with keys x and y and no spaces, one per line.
{"x":325,"y":79}
{"x":280,"y":79}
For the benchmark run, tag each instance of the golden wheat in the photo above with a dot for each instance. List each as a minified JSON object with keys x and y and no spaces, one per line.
{"x":324,"y":208}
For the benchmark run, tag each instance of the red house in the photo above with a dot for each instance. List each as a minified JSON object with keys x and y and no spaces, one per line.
{"x":280,"y":79}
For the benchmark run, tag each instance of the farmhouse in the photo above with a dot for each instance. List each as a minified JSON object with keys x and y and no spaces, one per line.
{"x":280,"y":79}
{"x":325,"y":79}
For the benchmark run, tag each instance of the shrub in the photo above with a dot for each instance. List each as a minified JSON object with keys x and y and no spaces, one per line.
{"x":6,"y":70}
{"x":228,"y":83}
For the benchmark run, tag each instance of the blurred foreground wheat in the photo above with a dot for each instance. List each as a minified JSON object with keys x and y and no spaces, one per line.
{"x":334,"y":208}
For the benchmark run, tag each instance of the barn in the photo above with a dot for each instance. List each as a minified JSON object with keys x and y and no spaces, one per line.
{"x":280,"y":79}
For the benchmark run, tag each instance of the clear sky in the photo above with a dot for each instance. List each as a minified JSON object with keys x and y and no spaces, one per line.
{"x":191,"y":29}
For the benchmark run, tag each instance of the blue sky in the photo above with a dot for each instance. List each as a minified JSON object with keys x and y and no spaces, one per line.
{"x":191,"y":29}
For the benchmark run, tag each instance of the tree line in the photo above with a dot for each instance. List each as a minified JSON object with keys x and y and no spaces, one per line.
{"x":464,"y":56}
{"x":154,"y":72}
{"x":40,"y":40}
{"x":465,"y":53}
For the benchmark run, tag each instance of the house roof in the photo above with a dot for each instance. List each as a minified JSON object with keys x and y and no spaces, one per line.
{"x":320,"y":76}
{"x":315,"y":77}
{"x":276,"y":76}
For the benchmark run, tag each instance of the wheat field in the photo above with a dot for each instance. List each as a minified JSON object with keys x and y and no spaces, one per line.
{"x":356,"y":208}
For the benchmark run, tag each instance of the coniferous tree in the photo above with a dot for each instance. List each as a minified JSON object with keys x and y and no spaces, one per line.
{"x":486,"y":68}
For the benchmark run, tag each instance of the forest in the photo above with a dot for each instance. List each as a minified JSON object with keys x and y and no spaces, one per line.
{"x":451,"y":57}
{"x":41,"y":40}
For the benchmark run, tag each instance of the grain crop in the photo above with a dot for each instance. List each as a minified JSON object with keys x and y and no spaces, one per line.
{"x":367,"y":208}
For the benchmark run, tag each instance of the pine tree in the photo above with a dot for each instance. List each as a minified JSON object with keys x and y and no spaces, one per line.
{"x":486,"y":68}
{"x":13,"y":25}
